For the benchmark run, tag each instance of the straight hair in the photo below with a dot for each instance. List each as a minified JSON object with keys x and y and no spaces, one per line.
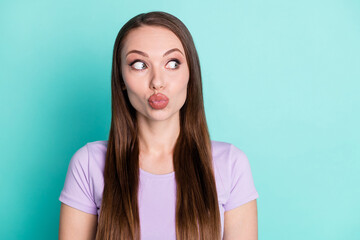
{"x":197,"y":210}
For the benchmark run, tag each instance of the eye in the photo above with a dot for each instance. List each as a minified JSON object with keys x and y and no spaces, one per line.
{"x":173,"y":64}
{"x":138,"y":65}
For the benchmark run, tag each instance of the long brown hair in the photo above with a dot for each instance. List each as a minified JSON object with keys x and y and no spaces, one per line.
{"x":197,"y":209}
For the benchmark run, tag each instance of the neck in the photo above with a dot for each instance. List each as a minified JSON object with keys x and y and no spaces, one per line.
{"x":158,"y":137}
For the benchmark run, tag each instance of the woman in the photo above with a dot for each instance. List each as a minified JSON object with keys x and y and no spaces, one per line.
{"x":159,"y":176}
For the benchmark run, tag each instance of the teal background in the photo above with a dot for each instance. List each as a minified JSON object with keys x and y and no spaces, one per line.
{"x":281,"y":82}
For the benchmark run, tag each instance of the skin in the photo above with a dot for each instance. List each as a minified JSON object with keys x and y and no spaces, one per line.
{"x":158,"y":129}
{"x":155,"y":73}
{"x":241,"y":222}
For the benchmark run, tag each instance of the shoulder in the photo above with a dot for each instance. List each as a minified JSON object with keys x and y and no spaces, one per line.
{"x":88,"y":164}
{"x":96,"y":154}
{"x":225,"y":153}
{"x":84,"y":179}
{"x":97,"y":149}
{"x":97,"y":146}
{"x":230,"y":163}
{"x":90,"y":157}
{"x":225,"y":158}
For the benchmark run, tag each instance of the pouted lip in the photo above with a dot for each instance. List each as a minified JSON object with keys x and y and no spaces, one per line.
{"x":158,"y":97}
{"x":158,"y":101}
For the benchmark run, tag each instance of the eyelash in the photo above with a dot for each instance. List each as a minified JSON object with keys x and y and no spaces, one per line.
{"x":138,"y":60}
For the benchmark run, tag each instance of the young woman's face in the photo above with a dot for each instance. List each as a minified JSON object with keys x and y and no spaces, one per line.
{"x":155,"y":72}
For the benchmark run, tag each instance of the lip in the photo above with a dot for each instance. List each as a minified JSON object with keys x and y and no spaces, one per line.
{"x":158,"y":101}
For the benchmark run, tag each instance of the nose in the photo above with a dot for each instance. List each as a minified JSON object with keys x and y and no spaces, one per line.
{"x":157,"y":81}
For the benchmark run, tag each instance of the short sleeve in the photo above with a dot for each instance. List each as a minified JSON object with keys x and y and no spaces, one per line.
{"x":242,"y":189}
{"x":76,"y":191}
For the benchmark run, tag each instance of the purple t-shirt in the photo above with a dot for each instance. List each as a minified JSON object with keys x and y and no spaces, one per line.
{"x":84,"y":186}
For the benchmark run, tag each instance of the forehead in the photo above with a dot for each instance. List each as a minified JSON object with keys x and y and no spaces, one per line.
{"x":152,"y":40}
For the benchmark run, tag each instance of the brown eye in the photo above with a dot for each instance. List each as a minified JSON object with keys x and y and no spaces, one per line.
{"x":138,"y":65}
{"x":173,"y":64}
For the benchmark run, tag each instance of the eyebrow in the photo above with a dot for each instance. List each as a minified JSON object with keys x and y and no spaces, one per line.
{"x":145,"y":55}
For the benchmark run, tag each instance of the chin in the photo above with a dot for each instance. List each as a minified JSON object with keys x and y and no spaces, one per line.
{"x":161,"y":115}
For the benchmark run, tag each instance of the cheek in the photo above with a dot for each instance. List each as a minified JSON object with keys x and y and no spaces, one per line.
{"x":127,"y":78}
{"x":131,"y":83}
{"x":185,"y":80}
{"x":133,"y":89}
{"x":134,"y":94}
{"x":181,"y":85}
{"x":181,"y":77}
